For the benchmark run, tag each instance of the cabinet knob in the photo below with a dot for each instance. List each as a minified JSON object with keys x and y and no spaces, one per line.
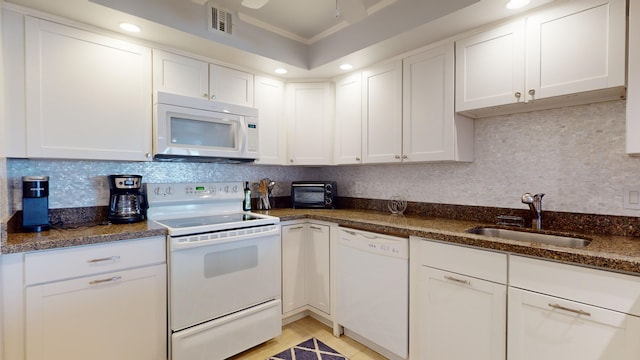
{"x":148,"y":155}
{"x":205,"y":95}
{"x":397,"y":157}
{"x":532,"y":92}
{"x":213,"y":97}
{"x":518,"y":94}
{"x":357,"y":158}
{"x":405,"y":157}
{"x":291,"y":161}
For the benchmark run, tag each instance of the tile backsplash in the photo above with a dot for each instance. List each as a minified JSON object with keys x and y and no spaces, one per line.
{"x":75,"y":183}
{"x":576,"y":155}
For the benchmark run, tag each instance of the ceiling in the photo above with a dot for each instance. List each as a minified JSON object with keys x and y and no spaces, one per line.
{"x":303,"y":36}
{"x":302,"y":20}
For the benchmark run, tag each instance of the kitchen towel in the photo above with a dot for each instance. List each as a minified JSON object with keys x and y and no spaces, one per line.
{"x":312,"y":349}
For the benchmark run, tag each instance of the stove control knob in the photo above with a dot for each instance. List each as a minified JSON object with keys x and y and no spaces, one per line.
{"x":226,"y":189}
{"x":235,"y":188}
{"x":156,"y":190}
{"x":168,"y":190}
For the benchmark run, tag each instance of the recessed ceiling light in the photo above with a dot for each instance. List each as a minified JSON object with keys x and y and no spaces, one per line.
{"x":517,"y":4}
{"x":281,"y":71}
{"x":346,"y":67}
{"x":129,"y":27}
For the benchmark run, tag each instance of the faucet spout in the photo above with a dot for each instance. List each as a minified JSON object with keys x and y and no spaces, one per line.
{"x":535,"y":205}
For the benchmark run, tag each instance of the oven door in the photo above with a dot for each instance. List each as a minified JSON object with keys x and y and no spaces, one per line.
{"x":213,"y":277}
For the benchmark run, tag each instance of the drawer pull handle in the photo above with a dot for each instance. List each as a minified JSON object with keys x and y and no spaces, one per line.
{"x":296,"y":228}
{"x":101,"y":281}
{"x":349,"y":232}
{"x":315,"y":228}
{"x":460,"y":281}
{"x":111,"y":258}
{"x":579,"y":312}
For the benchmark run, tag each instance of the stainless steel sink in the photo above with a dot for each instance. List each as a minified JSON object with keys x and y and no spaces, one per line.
{"x":533,"y":237}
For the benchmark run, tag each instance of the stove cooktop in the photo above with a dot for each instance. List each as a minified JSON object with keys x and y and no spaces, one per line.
{"x":207,"y":220}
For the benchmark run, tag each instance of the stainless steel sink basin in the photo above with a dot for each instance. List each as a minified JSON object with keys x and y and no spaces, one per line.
{"x":533,"y":237}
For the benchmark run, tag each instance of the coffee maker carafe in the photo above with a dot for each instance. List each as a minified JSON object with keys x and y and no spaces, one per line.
{"x":127,"y":204}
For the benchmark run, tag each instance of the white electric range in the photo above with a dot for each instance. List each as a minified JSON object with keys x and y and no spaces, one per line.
{"x":224,"y":269}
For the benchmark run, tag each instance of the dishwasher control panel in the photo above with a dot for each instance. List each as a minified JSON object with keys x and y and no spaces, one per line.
{"x":375,"y":243}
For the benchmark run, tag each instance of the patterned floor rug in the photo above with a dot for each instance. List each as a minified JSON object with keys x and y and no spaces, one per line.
{"x":312,"y":349}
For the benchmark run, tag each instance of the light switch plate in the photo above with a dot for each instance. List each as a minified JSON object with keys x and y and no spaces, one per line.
{"x":631,"y":198}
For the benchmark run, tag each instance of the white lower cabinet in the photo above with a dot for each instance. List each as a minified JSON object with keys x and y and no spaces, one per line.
{"x":116,"y":315}
{"x":559,"y":311}
{"x":550,"y":328}
{"x":114,"y":307}
{"x":306,"y":268}
{"x":457,"y":302}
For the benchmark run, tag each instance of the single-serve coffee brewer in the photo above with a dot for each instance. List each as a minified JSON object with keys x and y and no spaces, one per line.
{"x":127,"y":203}
{"x":35,"y":203}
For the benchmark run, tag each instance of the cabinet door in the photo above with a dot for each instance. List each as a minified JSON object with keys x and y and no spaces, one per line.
{"x":89,"y":96}
{"x":431,"y":129}
{"x":310,"y":115}
{"x":293,"y":267}
{"x":382,"y":114}
{"x":269,"y":99}
{"x":550,"y":328}
{"x":633,"y":88}
{"x":348,"y":139}
{"x":490,"y":67}
{"x":317,"y":260}
{"x":230,"y":85}
{"x":180,"y":75}
{"x":577,"y":47}
{"x":120,"y":315}
{"x":460,"y":317}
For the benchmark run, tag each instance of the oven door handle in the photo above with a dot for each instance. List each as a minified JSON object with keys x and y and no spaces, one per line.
{"x":194,"y":241}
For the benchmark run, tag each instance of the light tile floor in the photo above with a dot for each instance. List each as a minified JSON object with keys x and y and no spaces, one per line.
{"x":303,"y":329}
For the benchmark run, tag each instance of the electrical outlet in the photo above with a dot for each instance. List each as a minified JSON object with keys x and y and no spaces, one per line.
{"x":631,"y":198}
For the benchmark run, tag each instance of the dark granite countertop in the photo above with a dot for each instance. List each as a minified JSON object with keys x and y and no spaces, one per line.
{"x":17,"y":242}
{"x":609,"y":252}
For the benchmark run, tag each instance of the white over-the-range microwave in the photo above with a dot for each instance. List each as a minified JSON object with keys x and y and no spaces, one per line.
{"x":192,"y":129}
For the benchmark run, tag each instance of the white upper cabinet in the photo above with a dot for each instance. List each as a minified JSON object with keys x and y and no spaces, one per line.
{"x":230,"y":85}
{"x":187,"y":76}
{"x":269,"y":100}
{"x":180,"y":75}
{"x":577,"y":47}
{"x":88,"y":95}
{"x":309,"y":120}
{"x":633,"y":90}
{"x":431,"y":129}
{"x":348,"y":139}
{"x":490,"y":67}
{"x":382,"y":114}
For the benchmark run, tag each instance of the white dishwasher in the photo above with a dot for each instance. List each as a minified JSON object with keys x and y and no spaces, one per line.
{"x":373,"y":290}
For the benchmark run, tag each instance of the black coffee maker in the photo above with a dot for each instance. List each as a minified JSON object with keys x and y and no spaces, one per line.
{"x":127,"y":203}
{"x":35,"y":203}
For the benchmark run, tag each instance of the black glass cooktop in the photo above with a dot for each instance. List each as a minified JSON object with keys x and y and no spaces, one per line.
{"x":207,"y":220}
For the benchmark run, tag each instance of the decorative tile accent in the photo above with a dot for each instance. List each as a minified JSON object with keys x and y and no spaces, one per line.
{"x":312,"y":349}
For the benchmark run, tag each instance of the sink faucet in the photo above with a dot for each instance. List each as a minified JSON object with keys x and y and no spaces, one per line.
{"x":535,"y":204}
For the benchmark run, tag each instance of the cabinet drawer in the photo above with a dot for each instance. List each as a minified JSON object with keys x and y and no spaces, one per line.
{"x":45,"y":266}
{"x":483,"y":264}
{"x":601,"y":288}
